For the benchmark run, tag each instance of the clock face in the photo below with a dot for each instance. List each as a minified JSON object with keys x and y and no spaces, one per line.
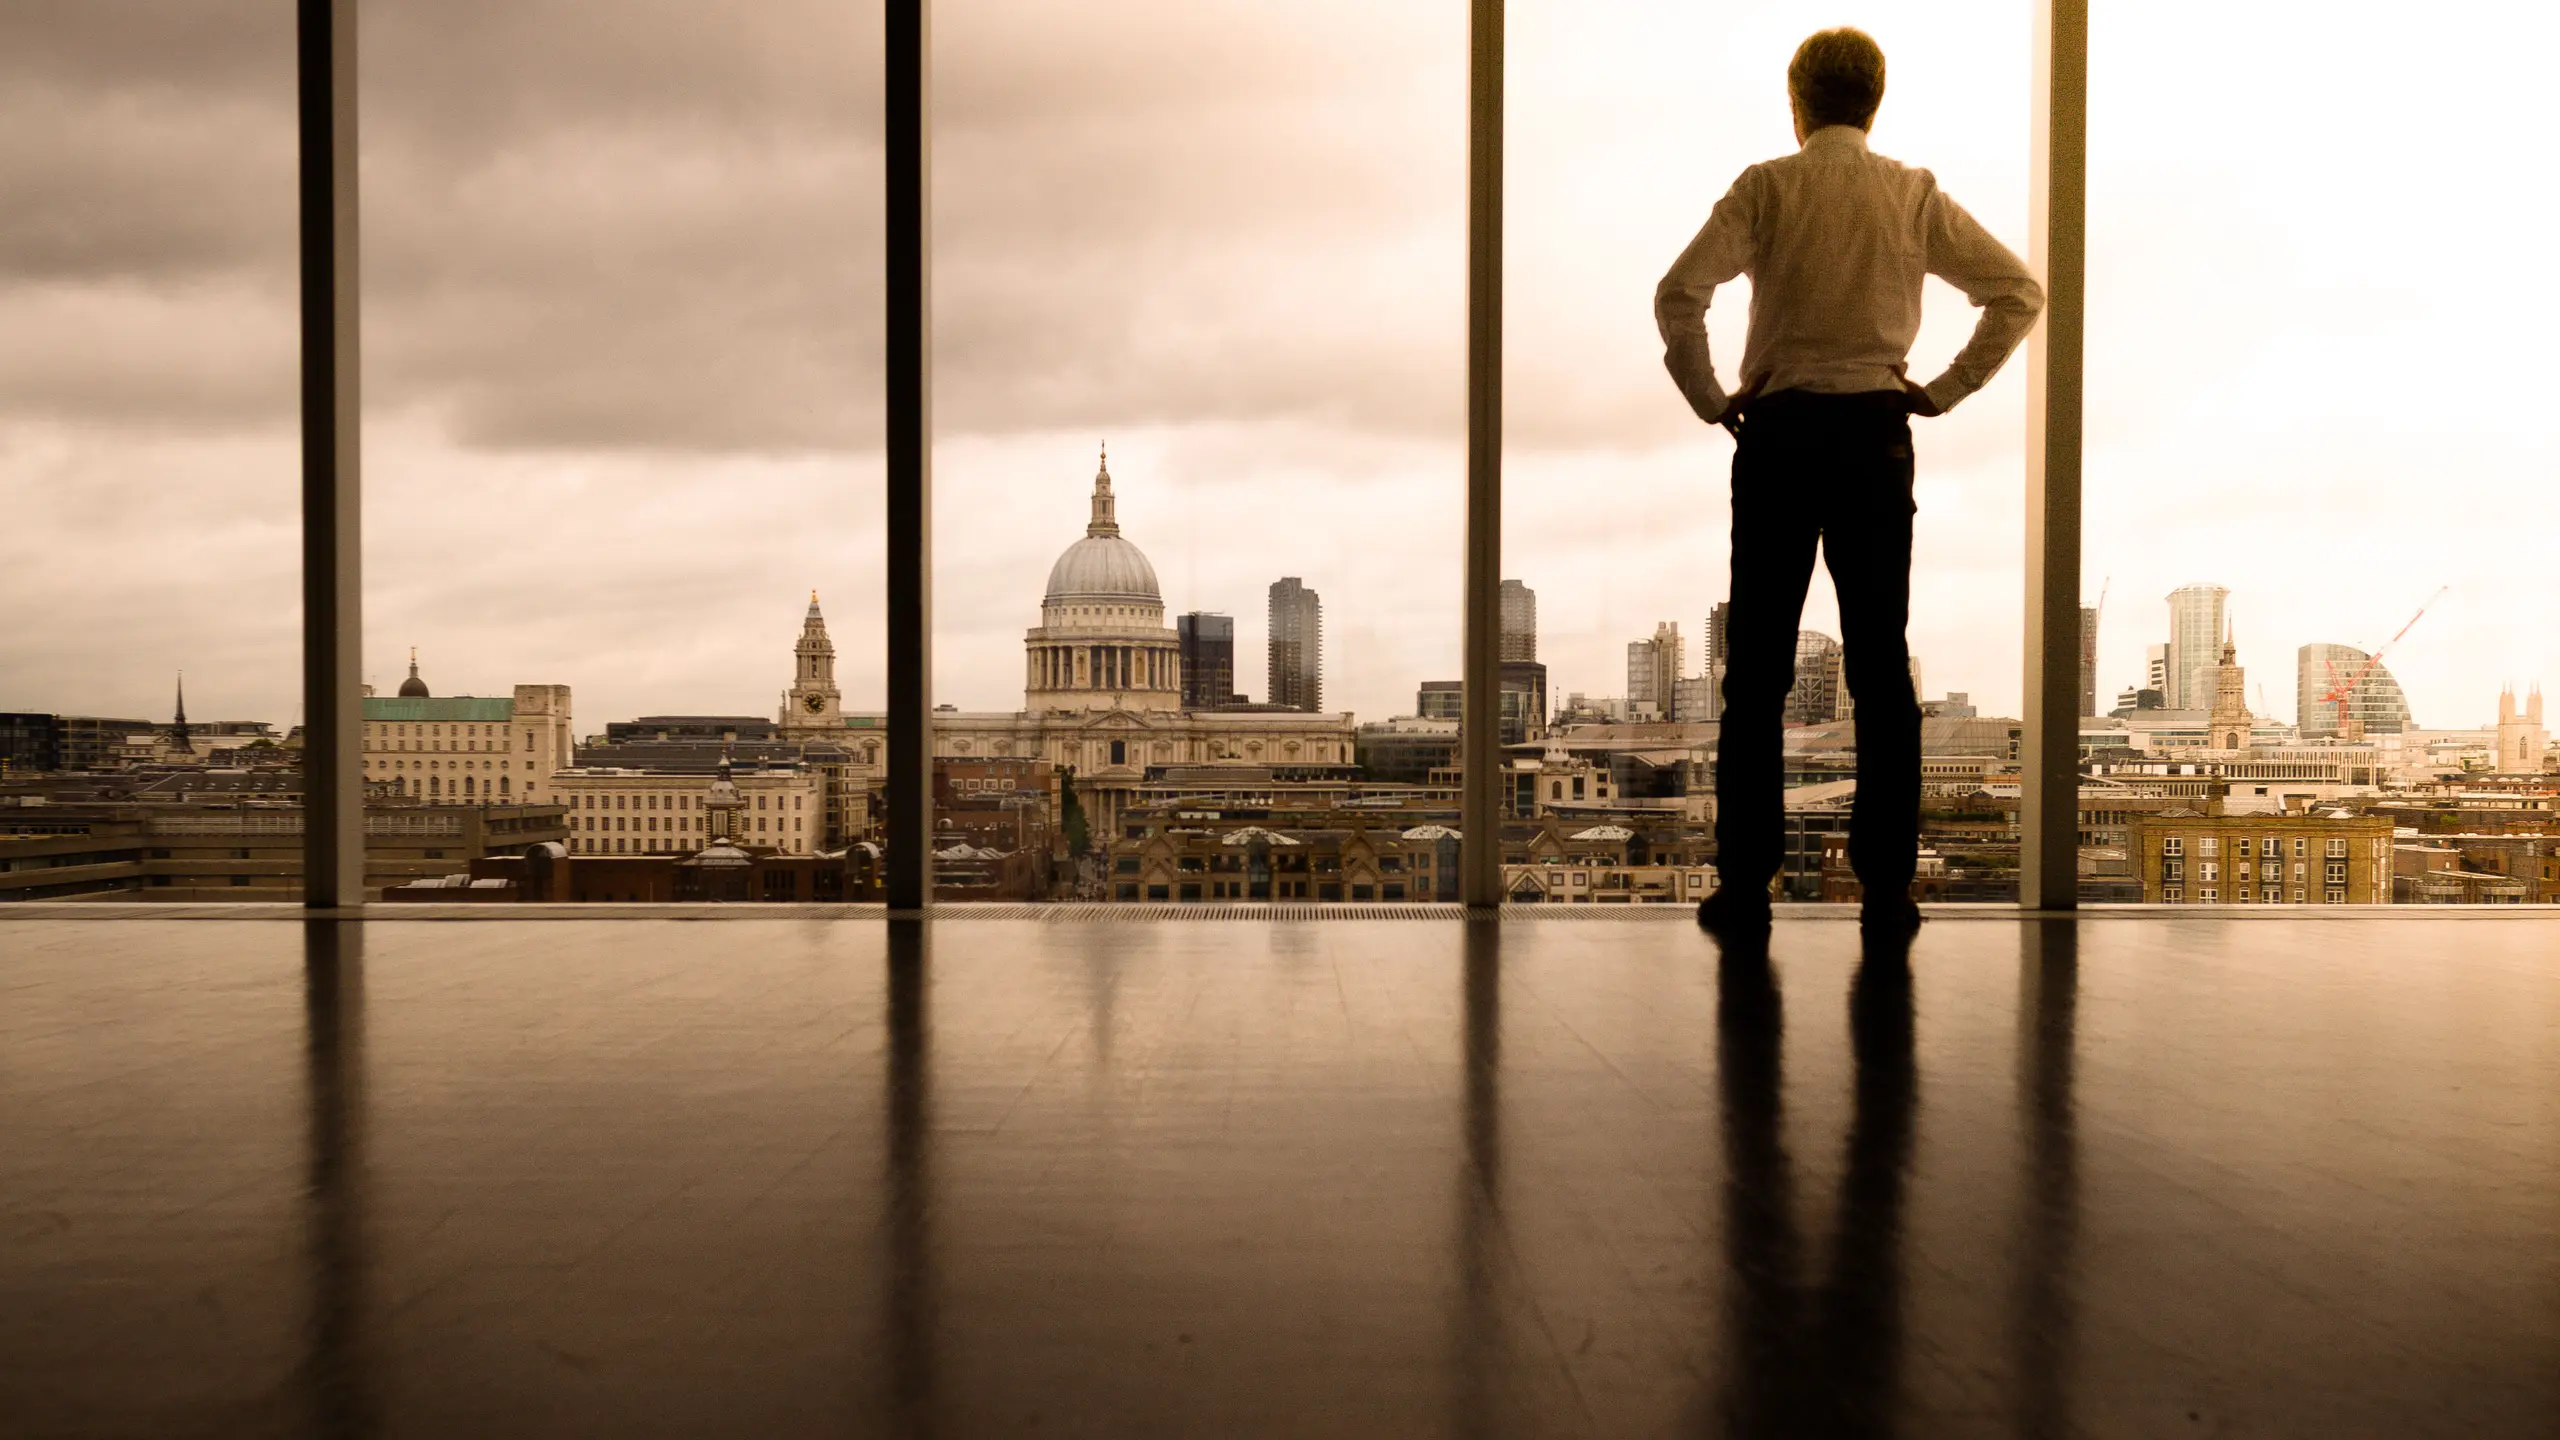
{"x":813,"y":703}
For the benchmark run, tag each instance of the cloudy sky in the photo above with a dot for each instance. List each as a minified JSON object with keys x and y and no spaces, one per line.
{"x":622,"y":334}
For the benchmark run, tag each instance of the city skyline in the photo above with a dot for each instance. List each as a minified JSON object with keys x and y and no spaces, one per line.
{"x":612,"y":423}
{"x":1665,"y":633}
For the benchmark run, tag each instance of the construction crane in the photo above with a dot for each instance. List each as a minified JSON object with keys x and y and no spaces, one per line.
{"x":2350,"y":724}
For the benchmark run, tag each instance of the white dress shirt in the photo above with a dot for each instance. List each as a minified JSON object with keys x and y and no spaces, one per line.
{"x":1836,"y":240}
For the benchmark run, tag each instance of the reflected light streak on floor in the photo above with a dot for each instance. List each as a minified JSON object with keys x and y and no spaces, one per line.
{"x":2143,"y":1176}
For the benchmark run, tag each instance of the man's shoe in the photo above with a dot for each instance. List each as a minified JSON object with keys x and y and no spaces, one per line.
{"x":1889,"y":918}
{"x":1734,"y":912}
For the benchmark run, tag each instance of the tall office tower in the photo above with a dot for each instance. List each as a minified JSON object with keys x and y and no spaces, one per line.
{"x":1296,"y":654}
{"x":2088,"y":660}
{"x":1697,"y":700}
{"x":2195,"y":645}
{"x":1519,"y":623}
{"x":1814,"y":698}
{"x":1653,"y":673}
{"x":1711,"y":664}
{"x":1523,"y":695}
{"x":1524,"y":700}
{"x":2374,"y":704}
{"x":1207,"y":642}
{"x":2155,"y":671}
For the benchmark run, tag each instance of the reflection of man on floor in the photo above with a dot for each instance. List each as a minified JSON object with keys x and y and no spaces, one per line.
{"x":1836,"y":240}
{"x":1815,"y":1355}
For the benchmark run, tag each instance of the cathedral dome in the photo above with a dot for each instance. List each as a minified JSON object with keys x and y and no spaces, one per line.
{"x":1103,"y":565}
{"x":413,"y":687}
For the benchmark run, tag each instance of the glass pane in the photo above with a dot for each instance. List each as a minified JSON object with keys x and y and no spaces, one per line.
{"x":2317,"y":480}
{"x":149,"y":564}
{"x":1623,"y":134}
{"x":1229,"y":241}
{"x":624,"y":573}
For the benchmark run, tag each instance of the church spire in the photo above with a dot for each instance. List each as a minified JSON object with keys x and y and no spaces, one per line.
{"x":811,"y":702}
{"x":1106,"y":519}
{"x":178,"y":726}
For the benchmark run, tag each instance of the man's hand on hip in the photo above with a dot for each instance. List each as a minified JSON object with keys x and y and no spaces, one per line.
{"x":1918,"y":395}
{"x":1731,"y":419}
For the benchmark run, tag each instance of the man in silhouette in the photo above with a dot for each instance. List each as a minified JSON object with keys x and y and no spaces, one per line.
{"x":1836,"y":240}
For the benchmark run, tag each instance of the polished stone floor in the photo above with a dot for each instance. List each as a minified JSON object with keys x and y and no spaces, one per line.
{"x":2141,"y":1176}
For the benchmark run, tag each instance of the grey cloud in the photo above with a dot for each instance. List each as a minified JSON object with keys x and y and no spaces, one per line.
{"x":657,"y":226}
{"x":654,"y":225}
{"x":207,"y":355}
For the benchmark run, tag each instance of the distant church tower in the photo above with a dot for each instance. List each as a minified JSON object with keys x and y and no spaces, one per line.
{"x":2521,"y":738}
{"x":814,"y":708}
{"x":181,"y":740}
{"x":2228,"y":729}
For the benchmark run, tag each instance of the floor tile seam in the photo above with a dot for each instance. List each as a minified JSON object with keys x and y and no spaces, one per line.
{"x":1516,"y":1279}
{"x":420,"y":1293}
{"x":1626,"y":1083}
{"x":2222,"y":1197}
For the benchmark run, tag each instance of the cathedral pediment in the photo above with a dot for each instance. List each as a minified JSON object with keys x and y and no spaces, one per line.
{"x":1122,"y":721}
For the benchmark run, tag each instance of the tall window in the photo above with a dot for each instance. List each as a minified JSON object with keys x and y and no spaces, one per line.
{"x":148,"y":406}
{"x":1623,"y":133}
{"x":623,"y":279}
{"x":1205,"y":460}
{"x":2231,"y":274}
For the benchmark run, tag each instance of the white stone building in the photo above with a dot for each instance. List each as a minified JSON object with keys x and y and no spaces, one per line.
{"x":639,"y":812}
{"x":467,"y":748}
{"x":1102,"y":688}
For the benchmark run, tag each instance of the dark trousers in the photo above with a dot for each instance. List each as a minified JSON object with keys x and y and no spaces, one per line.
{"x":1834,"y":469}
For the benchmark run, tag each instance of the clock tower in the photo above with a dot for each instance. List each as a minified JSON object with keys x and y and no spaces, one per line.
{"x":813,"y":709}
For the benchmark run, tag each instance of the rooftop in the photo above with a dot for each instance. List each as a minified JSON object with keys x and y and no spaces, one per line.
{"x":465,"y":709}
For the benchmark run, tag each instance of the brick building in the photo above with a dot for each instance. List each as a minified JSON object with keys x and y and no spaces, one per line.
{"x":2186,"y":857}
